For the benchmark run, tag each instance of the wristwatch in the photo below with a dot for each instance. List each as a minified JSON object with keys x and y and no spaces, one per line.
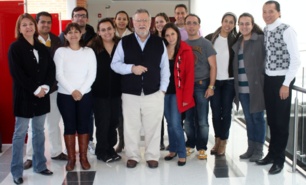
{"x":211,"y":87}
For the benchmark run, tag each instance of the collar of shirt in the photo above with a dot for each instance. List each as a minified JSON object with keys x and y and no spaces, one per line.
{"x":42,"y":40}
{"x":272,"y":26}
{"x":142,"y":44}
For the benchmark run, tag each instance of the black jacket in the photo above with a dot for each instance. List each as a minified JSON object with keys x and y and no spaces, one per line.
{"x":107,"y":83}
{"x":28,"y":75}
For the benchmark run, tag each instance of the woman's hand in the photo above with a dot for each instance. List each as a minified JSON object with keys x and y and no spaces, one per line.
{"x":41,"y":93}
{"x":77,"y":95}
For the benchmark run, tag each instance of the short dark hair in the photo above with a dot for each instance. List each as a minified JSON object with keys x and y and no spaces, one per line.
{"x":277,"y":5}
{"x":42,"y":14}
{"x":68,"y":28}
{"x":193,"y":15}
{"x":79,"y":8}
{"x":181,"y":6}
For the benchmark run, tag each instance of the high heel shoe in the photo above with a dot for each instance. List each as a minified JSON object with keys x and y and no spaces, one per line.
{"x":169,"y":157}
{"x":181,"y":163}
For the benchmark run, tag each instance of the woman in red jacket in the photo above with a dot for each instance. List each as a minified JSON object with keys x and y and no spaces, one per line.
{"x":179,"y":95}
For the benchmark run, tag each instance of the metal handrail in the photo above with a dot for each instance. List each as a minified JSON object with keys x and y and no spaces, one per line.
{"x":299,"y":89}
{"x":296,"y":126}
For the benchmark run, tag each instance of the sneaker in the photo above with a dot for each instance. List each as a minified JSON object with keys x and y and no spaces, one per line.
{"x":105,"y":158}
{"x":189,"y":151}
{"x":91,"y":147}
{"x":202,"y":155}
{"x":116,"y":157}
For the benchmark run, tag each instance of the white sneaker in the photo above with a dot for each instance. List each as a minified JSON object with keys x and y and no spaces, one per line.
{"x":91,"y":147}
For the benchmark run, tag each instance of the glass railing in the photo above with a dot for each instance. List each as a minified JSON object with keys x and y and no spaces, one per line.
{"x":296,"y":147}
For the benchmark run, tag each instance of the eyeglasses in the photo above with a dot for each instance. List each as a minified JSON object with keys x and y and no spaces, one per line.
{"x":141,"y":20}
{"x":244,"y":24}
{"x":189,"y":23}
{"x":83,"y":16}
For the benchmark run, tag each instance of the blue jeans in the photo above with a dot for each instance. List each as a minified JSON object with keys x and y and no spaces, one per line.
{"x":221,"y":104}
{"x":196,"y":122}
{"x":255,"y":122}
{"x":175,"y":130}
{"x":38,"y":141}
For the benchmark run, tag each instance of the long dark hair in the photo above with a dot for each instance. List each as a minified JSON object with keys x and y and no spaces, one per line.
{"x":97,"y":43}
{"x":178,"y":42}
{"x":233,"y":33}
{"x":256,"y":28}
{"x":128,"y":26}
{"x":68,"y":28}
{"x":165,"y":16}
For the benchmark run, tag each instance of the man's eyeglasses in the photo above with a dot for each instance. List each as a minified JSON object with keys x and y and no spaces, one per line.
{"x":80,"y":16}
{"x":189,"y":23}
{"x":141,"y":20}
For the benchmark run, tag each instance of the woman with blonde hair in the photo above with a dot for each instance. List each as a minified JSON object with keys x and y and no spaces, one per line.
{"x":33,"y":73}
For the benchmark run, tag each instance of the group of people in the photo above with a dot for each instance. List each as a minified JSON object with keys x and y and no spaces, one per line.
{"x":132,"y":79}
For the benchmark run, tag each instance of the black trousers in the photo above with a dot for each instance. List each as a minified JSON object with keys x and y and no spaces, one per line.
{"x":76,"y":114}
{"x":278,"y":117}
{"x":107,"y":114}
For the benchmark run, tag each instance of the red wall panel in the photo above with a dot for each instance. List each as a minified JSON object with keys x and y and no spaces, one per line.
{"x":9,"y":12}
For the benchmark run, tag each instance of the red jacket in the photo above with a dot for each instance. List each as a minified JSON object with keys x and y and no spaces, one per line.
{"x":184,"y":77}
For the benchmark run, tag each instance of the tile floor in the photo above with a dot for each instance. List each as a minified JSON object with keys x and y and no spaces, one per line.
{"x":227,"y":170}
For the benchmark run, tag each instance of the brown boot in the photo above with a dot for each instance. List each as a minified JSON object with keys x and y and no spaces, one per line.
{"x":222,"y":147}
{"x":214,"y":150}
{"x":83,"y":146}
{"x":121,"y":140}
{"x":70,"y":145}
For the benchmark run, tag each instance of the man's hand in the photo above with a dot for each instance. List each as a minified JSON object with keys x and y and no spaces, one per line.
{"x":138,"y":70}
{"x":209,"y":93}
{"x":284,"y":92}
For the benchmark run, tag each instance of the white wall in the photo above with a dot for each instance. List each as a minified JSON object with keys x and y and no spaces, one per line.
{"x":153,"y":7}
{"x":211,"y":13}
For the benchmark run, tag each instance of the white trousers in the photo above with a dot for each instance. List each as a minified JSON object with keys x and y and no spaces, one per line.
{"x":144,"y":111}
{"x":52,"y":125}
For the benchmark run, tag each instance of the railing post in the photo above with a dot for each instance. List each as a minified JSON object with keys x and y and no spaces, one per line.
{"x":295,"y":136}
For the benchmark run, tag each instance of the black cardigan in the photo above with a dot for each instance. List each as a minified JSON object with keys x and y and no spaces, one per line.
{"x":28,"y":75}
{"x":107,"y":83}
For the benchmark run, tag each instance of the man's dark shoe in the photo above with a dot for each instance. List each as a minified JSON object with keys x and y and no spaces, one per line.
{"x":276,"y":168}
{"x":152,"y":164}
{"x":18,"y":180}
{"x":162,"y":146}
{"x":265,"y":161}
{"x":27,"y":164}
{"x":46,"y":172}
{"x":131,"y":163}
{"x":61,"y":157}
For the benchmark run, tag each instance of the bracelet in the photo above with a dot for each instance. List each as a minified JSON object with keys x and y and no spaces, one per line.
{"x":211,"y":87}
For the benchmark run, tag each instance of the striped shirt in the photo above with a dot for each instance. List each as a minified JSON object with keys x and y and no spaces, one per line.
{"x":243,"y":85}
